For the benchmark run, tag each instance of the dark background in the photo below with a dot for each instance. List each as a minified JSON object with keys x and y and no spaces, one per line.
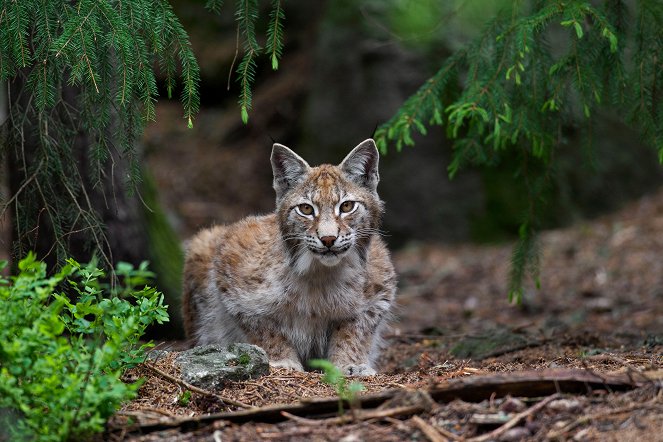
{"x":347,"y":66}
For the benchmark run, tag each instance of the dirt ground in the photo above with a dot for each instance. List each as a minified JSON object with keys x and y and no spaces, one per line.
{"x":599,"y":309}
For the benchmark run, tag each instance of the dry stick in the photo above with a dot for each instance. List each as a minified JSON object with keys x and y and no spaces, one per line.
{"x":429,"y":431}
{"x":360,"y":416}
{"x":196,"y":389}
{"x":495,"y":434}
{"x":145,"y":412}
{"x":590,"y":417}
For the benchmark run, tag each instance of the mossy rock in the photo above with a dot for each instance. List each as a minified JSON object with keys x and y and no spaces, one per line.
{"x":211,"y":366}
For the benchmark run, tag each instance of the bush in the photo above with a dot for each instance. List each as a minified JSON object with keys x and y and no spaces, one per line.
{"x":64,"y":342}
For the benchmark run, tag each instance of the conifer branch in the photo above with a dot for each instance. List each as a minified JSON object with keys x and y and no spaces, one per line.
{"x":102,"y":53}
{"x":518,"y":93}
{"x":214,"y":5}
{"x":246,"y":16}
{"x":274,"y":34}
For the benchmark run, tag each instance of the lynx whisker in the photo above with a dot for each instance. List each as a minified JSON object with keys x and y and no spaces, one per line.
{"x":294,"y":237}
{"x":371,"y":231}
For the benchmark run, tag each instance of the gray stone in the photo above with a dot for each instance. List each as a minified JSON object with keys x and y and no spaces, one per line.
{"x":211,"y":366}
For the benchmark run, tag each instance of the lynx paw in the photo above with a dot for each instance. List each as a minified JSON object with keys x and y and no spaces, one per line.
{"x":287,"y":363}
{"x":359,"y":370}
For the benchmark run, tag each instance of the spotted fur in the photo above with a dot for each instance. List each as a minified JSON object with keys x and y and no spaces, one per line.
{"x":312,"y":280}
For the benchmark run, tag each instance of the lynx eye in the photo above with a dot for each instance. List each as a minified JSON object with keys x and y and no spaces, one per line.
{"x":347,"y":206}
{"x":305,"y":209}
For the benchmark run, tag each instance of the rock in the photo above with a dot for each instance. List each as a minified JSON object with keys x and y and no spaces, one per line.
{"x":211,"y":366}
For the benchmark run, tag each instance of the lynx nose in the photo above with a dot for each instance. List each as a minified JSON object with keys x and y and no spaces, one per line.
{"x":328,"y":241}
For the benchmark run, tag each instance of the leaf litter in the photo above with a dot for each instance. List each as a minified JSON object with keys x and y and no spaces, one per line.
{"x":599,"y":310}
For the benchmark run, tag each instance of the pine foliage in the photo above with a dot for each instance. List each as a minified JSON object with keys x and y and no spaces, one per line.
{"x":247,"y":14}
{"x":535,"y":68}
{"x":86,"y":71}
{"x":274,"y":45}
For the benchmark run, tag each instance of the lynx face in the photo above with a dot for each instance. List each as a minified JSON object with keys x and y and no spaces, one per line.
{"x":327,"y":213}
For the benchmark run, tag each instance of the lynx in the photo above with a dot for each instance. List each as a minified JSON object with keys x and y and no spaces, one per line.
{"x":312,"y":280}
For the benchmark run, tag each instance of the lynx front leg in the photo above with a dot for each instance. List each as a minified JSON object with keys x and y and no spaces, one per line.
{"x":351,"y":345}
{"x":279,"y":349}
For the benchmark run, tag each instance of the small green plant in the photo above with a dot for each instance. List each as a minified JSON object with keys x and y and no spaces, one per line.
{"x":185,"y":398}
{"x":64,"y":342}
{"x":346,"y":391}
{"x":244,"y":359}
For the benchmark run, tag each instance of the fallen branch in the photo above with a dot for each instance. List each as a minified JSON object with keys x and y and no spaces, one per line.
{"x":495,"y":434}
{"x":470,"y":389}
{"x":359,"y":415}
{"x":537,"y":384}
{"x":195,"y":389}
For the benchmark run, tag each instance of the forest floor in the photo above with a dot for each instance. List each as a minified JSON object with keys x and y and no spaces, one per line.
{"x":598,"y":312}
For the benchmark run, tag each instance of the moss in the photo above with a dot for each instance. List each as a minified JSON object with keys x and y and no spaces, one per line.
{"x":244,"y":359}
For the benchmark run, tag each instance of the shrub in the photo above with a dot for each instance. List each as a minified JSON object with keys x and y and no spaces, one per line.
{"x":64,"y":342}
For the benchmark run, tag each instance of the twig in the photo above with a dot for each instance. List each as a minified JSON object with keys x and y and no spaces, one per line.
{"x":495,"y":434}
{"x":590,"y":417}
{"x":196,"y":389}
{"x":448,"y":434}
{"x":360,"y":415}
{"x":145,"y":412}
{"x":304,"y":420}
{"x":232,"y":65}
{"x":429,"y":431}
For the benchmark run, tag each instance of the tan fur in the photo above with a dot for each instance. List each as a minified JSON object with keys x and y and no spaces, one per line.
{"x":272,"y":281}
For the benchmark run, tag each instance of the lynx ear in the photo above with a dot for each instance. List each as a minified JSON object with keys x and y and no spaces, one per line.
{"x":289,"y":169}
{"x":361,"y":165}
